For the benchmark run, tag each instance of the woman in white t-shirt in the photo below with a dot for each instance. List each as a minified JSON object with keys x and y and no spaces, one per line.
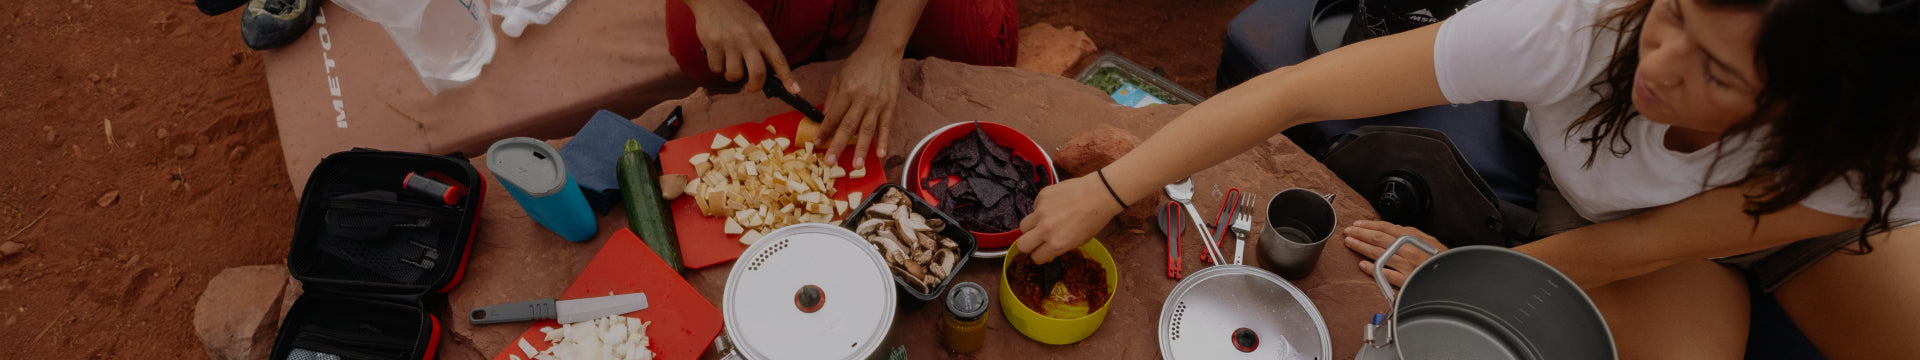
{"x":1702,"y":137}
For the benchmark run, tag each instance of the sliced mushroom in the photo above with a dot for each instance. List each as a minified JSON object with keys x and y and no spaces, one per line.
{"x":937,"y":272}
{"x":888,"y":245}
{"x":896,"y":197}
{"x":906,"y":236}
{"x":927,"y":242}
{"x":937,"y":225}
{"x":923,"y":257}
{"x":948,"y":244}
{"x":947,"y":259}
{"x":903,"y":274}
{"x":881,"y":209}
{"x":915,"y":268}
{"x":915,"y":222}
{"x":868,"y":227}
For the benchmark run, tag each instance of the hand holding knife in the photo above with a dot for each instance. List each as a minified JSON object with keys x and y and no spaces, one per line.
{"x":777,"y":89}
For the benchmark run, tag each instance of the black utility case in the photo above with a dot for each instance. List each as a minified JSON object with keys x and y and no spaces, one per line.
{"x":369,"y":251}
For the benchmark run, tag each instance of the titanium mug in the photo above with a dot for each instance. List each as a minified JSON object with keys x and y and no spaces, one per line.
{"x":1299,"y":221}
{"x":538,"y":180}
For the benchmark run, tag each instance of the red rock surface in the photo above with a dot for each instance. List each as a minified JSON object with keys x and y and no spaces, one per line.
{"x":239,"y":313}
{"x":1057,"y":50}
{"x":515,"y":259}
{"x":166,"y":76}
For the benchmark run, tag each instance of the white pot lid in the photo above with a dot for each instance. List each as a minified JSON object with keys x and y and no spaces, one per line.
{"x":1207,"y":312}
{"x":765,"y":316}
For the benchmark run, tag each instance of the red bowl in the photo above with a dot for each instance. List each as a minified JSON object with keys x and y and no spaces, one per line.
{"x":1000,"y":134}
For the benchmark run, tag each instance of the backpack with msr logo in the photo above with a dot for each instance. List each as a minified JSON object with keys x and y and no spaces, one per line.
{"x":1376,"y":18}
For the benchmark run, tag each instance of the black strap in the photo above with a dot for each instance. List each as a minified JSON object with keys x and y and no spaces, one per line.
{"x":1103,"y":182}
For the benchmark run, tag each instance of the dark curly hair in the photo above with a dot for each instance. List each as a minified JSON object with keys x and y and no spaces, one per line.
{"x":1841,"y":100}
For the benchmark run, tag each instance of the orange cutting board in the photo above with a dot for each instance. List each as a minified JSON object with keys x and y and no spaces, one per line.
{"x":683,"y":322}
{"x":702,"y":240}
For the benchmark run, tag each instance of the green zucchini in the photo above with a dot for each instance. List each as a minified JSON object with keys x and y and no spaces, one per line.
{"x":647,"y":213}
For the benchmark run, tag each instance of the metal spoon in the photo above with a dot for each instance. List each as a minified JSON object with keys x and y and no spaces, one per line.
{"x":1182,"y":192}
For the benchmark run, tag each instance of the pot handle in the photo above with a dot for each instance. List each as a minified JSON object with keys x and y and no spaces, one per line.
{"x":1380,"y":265}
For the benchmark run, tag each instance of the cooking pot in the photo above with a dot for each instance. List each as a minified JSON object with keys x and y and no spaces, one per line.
{"x":807,"y":291}
{"x":1485,"y":302}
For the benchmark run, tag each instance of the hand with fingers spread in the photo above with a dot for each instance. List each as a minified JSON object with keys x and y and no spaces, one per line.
{"x":1064,"y":216}
{"x":738,"y":44}
{"x":1370,"y":238}
{"x":861,"y":104}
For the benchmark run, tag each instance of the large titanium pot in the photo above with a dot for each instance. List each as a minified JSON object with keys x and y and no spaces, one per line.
{"x":1485,"y":302}
{"x":807,"y":291}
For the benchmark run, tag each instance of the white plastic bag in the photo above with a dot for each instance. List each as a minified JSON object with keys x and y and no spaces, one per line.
{"x":515,"y":14}
{"x":448,"y":41}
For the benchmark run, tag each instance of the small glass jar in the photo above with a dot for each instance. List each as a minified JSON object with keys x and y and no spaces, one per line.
{"x":965,"y":324}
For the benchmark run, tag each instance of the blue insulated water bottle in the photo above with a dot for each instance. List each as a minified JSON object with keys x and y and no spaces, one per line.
{"x":538,"y":180}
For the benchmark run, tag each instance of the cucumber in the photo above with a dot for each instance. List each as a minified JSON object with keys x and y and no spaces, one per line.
{"x":647,"y":213}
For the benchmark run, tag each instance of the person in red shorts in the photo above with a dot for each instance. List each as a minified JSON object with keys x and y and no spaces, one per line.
{"x":723,"y":42}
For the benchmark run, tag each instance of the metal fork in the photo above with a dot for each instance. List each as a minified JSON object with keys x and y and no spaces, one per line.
{"x":1242,"y":224}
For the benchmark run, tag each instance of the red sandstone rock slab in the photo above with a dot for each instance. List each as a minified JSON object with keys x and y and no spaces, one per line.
{"x":515,"y":259}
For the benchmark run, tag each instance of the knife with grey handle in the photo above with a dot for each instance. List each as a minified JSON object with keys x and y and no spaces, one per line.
{"x":566,"y":311}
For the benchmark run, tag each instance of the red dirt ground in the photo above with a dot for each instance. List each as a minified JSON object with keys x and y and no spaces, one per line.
{"x":161,"y":114}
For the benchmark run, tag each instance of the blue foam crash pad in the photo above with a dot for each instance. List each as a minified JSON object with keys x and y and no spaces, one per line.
{"x":591,"y":154}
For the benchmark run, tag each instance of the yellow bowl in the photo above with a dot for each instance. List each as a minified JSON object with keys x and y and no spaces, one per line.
{"x":1056,"y":331}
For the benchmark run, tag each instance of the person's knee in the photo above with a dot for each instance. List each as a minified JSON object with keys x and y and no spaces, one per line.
{"x":1691,"y":310}
{"x":1860,"y":306}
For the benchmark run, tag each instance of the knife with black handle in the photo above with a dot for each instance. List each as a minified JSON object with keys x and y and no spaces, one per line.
{"x":777,"y":89}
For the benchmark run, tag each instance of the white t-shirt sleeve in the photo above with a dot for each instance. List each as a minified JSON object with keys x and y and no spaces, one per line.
{"x":1529,"y":51}
{"x":1842,"y":198}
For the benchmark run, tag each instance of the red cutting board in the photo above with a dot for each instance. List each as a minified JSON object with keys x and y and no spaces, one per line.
{"x":702,"y":241}
{"x":683,"y":322}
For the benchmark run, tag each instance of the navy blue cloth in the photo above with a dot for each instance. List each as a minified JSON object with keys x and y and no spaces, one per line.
{"x":590,"y":156}
{"x":1271,"y":34}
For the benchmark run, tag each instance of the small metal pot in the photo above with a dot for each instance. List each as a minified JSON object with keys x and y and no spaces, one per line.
{"x":1485,"y":302}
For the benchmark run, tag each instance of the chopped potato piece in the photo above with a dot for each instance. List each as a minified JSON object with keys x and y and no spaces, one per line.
{"x":700,"y":158}
{"x":740,"y":141}
{"x":752,"y":236}
{"x":720,"y":142}
{"x":733,"y":227}
{"x":857,"y":173}
{"x":807,"y":130}
{"x":811,"y":198}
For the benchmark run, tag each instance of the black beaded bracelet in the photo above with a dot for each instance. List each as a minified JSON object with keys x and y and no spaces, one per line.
{"x":1103,"y":182}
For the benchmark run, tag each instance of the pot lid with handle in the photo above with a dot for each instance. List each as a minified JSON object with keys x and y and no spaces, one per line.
{"x":1241,"y":312}
{"x":809,"y":291}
